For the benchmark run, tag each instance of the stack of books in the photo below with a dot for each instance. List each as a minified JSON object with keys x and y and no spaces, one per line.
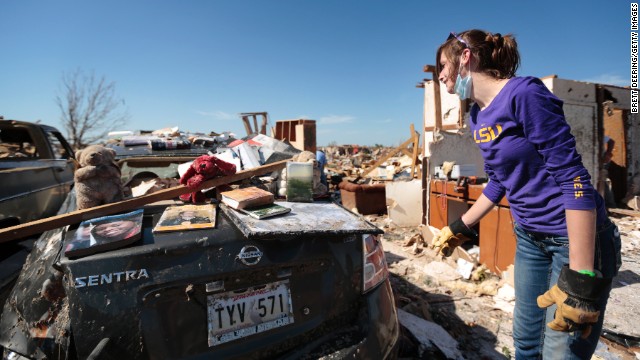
{"x":253,"y":201}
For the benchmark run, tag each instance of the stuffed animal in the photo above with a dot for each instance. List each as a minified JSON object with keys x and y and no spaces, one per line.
{"x":97,"y":180}
{"x":203,"y":168}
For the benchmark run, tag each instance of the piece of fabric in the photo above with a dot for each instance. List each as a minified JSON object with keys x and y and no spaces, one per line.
{"x":530,"y":156}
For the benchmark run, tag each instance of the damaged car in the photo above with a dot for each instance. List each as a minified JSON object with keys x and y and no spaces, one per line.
{"x":308,"y":284}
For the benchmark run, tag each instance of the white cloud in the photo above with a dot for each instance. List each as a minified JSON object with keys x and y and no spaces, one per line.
{"x":218,"y":115}
{"x":609,"y":79}
{"x":336,"y":119}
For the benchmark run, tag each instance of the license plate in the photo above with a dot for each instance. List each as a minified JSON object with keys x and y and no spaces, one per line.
{"x":233,"y":315}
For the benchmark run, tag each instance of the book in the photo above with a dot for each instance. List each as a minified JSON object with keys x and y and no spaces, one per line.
{"x":186,"y":217}
{"x":299,"y":181}
{"x":265,"y":211}
{"x":104,"y":234}
{"x":246,"y":197}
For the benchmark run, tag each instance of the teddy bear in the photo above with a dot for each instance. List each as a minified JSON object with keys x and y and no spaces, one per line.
{"x":97,"y":180}
{"x":203,"y":168}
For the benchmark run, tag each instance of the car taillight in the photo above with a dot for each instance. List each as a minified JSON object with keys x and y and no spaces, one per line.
{"x":375,"y":264}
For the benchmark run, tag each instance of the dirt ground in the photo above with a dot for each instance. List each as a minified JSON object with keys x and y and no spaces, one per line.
{"x":470,"y":311}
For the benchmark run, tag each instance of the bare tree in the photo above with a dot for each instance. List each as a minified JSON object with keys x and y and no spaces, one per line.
{"x":89,"y":108}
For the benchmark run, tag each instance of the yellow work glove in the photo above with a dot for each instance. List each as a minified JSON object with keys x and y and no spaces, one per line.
{"x":452,"y":236}
{"x":576,"y":297}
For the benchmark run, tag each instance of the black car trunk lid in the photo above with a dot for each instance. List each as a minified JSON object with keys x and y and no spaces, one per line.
{"x":247,"y":288}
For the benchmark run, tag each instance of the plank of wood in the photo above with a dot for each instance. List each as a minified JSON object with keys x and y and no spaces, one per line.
{"x":247,"y":125}
{"x":38,"y":226}
{"x":392,"y":153}
{"x":414,"y":156}
{"x":624,"y":212}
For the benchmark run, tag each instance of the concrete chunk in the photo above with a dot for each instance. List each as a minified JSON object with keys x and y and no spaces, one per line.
{"x":430,"y":334}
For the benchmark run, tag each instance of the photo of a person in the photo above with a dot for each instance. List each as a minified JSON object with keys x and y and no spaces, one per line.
{"x":187,"y":217}
{"x":82,"y":238}
{"x":103,"y":233}
{"x":114,"y":230}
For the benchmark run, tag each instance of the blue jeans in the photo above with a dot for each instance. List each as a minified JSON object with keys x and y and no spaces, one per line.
{"x":539,"y":258}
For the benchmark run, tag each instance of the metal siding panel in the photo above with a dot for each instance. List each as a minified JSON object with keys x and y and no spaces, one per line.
{"x":582,"y":119}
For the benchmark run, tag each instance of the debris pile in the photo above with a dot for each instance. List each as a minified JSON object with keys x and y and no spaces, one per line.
{"x":475,"y":307}
{"x":169,"y":138}
{"x":246,"y":153}
{"x":16,"y":143}
{"x":351,"y":162}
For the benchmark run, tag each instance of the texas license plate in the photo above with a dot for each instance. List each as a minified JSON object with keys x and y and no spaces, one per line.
{"x":233,"y":315}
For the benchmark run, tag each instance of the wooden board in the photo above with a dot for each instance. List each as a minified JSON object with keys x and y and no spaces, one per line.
{"x":39,"y":226}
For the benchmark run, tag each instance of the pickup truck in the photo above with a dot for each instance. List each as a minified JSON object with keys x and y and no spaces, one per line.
{"x":36,"y":167}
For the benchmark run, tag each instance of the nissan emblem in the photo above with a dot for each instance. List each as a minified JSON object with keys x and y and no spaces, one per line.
{"x":249,"y":255}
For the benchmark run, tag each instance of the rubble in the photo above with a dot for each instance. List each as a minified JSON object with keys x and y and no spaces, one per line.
{"x":451,"y":308}
{"x":432,"y":338}
{"x":473,"y":305}
{"x":478,"y":314}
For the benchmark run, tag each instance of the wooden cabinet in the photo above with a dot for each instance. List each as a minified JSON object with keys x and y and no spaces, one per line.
{"x":497,"y":239}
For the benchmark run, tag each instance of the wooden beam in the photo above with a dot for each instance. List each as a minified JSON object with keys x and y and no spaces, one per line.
{"x":255,"y":122}
{"x":263,"y":127}
{"x":391,"y":153}
{"x":444,"y":127}
{"x":38,"y":226}
{"x":247,"y":124}
{"x":406,"y":152}
{"x":414,"y":157}
{"x":624,"y":212}
{"x":436,"y":95}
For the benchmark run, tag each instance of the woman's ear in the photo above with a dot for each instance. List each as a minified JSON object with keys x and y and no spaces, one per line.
{"x":465,"y":58}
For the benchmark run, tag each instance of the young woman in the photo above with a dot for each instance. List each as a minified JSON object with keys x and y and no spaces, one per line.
{"x":567,"y":249}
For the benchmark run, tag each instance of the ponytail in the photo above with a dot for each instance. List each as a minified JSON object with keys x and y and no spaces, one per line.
{"x":504,"y":59}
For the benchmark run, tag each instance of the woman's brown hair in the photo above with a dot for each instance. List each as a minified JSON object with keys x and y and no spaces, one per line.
{"x":497,"y":55}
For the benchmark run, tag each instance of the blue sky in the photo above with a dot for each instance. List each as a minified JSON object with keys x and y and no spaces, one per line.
{"x":350,"y":65}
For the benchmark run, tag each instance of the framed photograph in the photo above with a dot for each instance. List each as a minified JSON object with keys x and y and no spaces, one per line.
{"x":187,"y":217}
{"x":104,"y":233}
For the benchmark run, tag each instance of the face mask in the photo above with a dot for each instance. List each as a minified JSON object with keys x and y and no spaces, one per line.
{"x":463,"y":86}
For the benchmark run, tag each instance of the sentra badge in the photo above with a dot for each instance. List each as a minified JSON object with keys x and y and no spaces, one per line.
{"x":249,"y":255}
{"x":105,"y":279}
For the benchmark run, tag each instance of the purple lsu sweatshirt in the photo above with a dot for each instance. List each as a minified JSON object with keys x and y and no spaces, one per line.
{"x":530,"y":155}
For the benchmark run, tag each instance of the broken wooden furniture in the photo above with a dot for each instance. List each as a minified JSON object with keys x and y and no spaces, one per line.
{"x":366,"y":199}
{"x":301,"y":133}
{"x":497,"y":239}
{"x":254,"y":115}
